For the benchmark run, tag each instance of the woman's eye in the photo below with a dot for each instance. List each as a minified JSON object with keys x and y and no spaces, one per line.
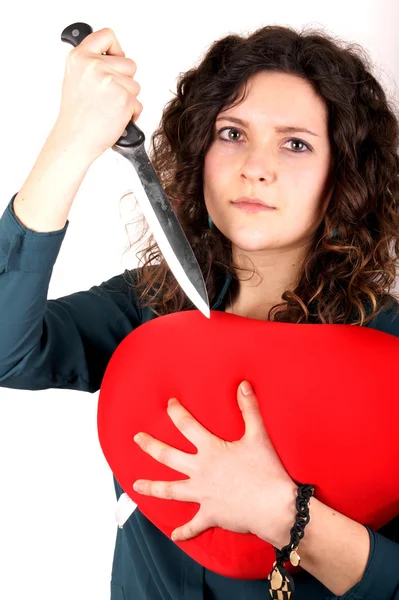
{"x":236,"y":131}
{"x":229,"y":129}
{"x":299,"y":142}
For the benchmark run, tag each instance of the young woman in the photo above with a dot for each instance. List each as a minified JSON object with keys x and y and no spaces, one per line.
{"x":294,"y":120}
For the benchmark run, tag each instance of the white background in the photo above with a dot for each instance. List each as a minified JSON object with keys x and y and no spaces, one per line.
{"x":57,"y":500}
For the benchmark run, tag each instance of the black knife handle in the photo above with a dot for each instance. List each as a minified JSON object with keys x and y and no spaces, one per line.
{"x":76,"y":33}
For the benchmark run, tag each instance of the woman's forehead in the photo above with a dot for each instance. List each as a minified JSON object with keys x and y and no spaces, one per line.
{"x":279,"y":100}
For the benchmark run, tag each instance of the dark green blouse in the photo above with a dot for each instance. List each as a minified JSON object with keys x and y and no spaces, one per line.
{"x":67,"y":343}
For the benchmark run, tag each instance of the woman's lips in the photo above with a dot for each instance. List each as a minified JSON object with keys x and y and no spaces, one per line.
{"x":250,"y":207}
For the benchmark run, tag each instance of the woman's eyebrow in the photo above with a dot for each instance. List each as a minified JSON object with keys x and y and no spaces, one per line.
{"x":278,"y":128}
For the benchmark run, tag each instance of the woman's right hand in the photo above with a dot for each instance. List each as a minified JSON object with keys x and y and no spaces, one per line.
{"x":99,"y":94}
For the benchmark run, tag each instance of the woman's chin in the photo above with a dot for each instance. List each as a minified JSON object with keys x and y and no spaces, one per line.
{"x":250,"y":243}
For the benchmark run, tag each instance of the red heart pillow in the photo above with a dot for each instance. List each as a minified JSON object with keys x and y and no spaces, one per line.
{"x":328,"y":396}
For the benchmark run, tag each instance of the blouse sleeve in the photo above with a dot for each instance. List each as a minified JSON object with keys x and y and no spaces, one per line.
{"x":62,"y":343}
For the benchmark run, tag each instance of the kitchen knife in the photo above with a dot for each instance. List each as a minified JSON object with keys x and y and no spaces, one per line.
{"x":153,"y":201}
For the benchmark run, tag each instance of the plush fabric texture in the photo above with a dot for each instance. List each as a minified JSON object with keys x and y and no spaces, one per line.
{"x":324,"y":392}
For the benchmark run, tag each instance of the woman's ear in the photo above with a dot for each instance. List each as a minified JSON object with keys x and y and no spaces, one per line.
{"x":328,"y":191}
{"x":326,"y":200}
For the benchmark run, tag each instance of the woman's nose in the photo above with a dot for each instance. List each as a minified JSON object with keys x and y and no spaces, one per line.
{"x":259,"y":164}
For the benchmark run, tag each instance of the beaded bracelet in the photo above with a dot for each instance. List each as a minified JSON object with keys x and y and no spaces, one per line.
{"x":281,"y":582}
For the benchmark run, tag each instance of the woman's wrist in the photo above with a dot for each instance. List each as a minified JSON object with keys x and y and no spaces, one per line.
{"x":335,"y":549}
{"x":279,"y":536}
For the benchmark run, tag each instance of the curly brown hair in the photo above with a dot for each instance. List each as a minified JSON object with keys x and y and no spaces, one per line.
{"x":347,"y":276}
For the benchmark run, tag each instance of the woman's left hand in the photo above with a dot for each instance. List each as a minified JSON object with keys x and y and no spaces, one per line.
{"x":241,"y":486}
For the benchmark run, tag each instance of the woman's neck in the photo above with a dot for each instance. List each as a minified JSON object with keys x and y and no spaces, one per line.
{"x":255,"y":295}
{"x":260,"y":312}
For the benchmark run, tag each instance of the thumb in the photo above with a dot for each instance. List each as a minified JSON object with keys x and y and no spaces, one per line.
{"x":254,"y":426}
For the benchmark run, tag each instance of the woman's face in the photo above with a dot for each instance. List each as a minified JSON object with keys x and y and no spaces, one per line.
{"x":253,"y":159}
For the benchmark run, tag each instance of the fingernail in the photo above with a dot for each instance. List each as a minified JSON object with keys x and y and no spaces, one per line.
{"x":246,"y":388}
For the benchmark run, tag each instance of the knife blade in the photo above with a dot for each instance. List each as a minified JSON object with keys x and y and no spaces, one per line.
{"x":153,"y":201}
